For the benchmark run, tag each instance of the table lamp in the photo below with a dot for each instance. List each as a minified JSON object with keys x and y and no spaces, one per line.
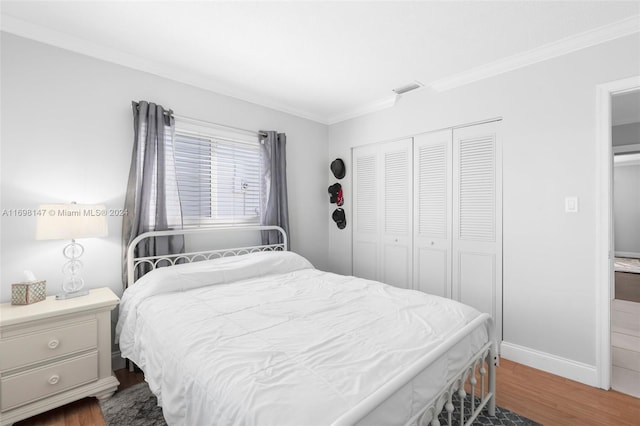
{"x":70,"y":222}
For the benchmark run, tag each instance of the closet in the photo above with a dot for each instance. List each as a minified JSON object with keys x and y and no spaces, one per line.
{"x":428,"y":215}
{"x":382,"y":238}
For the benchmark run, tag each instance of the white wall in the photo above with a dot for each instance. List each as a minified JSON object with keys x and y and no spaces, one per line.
{"x":67,"y":134}
{"x":625,"y":134}
{"x":549,"y":139}
{"x":626,"y":207}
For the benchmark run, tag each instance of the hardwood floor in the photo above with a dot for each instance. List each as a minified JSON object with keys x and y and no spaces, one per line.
{"x":553,"y":400}
{"x":540,"y":396}
{"x":85,"y":412}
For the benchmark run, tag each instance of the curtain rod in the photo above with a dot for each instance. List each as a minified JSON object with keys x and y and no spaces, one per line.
{"x":210,"y":123}
{"x":196,"y":120}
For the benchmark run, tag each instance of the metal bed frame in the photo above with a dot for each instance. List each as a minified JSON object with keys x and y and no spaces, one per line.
{"x":171,"y":259}
{"x":465,"y":383}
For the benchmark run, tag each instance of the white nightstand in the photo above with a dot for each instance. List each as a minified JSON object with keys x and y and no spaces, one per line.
{"x":54,"y":352}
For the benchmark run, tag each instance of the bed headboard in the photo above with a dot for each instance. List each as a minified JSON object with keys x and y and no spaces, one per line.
{"x":153,"y":262}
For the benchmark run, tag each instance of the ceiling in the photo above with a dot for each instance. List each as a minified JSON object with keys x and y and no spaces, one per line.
{"x":322,"y":60}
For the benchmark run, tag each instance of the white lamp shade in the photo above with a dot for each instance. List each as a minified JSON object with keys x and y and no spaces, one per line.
{"x":71,"y":221}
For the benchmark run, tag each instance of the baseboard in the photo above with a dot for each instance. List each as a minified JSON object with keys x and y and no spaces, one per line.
{"x":117,"y":362}
{"x":631,"y":254}
{"x":567,"y":368}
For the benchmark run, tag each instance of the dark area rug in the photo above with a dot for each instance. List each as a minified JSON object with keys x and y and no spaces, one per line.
{"x":502,"y":417}
{"x":134,"y":406}
{"x":137,"y":406}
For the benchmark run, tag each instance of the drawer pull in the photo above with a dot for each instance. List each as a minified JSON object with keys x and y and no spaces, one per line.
{"x":53,"y":343}
{"x":53,"y":379}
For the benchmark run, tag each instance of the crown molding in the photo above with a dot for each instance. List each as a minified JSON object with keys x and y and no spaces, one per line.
{"x":622,"y":28}
{"x":564,"y":46}
{"x":367,"y":108}
{"x":61,"y":40}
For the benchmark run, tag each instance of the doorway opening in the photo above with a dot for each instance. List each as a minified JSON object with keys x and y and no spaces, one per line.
{"x":625,"y":307}
{"x":608,"y":95}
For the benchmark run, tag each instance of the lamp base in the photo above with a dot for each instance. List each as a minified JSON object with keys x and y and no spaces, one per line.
{"x":71,"y":294}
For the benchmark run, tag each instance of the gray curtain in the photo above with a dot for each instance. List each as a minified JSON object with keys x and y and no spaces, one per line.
{"x":152,"y":201}
{"x":275,"y":209}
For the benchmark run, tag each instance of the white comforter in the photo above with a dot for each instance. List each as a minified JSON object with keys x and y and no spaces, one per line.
{"x":265,"y":339}
{"x":625,"y":264}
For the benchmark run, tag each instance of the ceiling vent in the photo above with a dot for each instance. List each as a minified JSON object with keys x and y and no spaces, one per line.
{"x":408,"y":88}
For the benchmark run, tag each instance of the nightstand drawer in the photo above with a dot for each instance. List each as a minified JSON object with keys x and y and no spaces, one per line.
{"x":43,"y":345}
{"x":34,"y":384}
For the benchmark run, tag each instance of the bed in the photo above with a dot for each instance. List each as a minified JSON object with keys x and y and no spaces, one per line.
{"x":627,"y":264}
{"x":257,"y":336}
{"x":627,"y":279}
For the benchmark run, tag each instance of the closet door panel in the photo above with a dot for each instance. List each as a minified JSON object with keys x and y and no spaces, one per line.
{"x":396,"y":210}
{"x":477,"y":219}
{"x":365,"y":263}
{"x":366,"y":208}
{"x":432,"y":160}
{"x":477,"y":280}
{"x":432,"y":271}
{"x":396,"y":267}
{"x":382,"y":233}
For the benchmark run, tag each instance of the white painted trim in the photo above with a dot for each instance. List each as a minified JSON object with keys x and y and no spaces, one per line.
{"x":564,"y":367}
{"x":564,"y":46}
{"x":628,"y":163}
{"x":626,"y":159}
{"x":545,"y":52}
{"x":65,"y":41}
{"x":623,"y":122}
{"x":621,"y":149}
{"x":368,"y":108}
{"x":631,"y":254}
{"x":117,"y":362}
{"x":604,"y":223}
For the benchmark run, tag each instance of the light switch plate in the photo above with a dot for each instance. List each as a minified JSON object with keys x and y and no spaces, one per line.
{"x":571,"y":204}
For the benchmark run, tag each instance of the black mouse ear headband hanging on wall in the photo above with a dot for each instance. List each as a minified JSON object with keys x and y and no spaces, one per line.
{"x":335,"y":194}
{"x":339,"y":218}
{"x":335,"y":191}
{"x":338,"y":169}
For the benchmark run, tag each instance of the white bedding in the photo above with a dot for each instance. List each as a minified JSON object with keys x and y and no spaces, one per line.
{"x":266,"y":339}
{"x":625,"y":264}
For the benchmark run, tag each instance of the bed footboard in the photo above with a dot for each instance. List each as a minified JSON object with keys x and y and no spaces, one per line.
{"x":475,"y":381}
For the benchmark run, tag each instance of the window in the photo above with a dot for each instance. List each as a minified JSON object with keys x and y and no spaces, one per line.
{"x":218,"y":174}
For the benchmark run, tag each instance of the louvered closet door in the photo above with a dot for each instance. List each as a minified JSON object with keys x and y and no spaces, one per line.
{"x":477,"y":215}
{"x":366,"y":206}
{"x":382,"y":212}
{"x":396,"y":209}
{"x":432,"y":213}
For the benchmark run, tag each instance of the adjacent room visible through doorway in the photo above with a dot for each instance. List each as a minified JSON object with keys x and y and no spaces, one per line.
{"x":625,"y":307}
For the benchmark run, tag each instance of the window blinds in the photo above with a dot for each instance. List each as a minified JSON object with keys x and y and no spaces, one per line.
{"x":218,"y":179}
